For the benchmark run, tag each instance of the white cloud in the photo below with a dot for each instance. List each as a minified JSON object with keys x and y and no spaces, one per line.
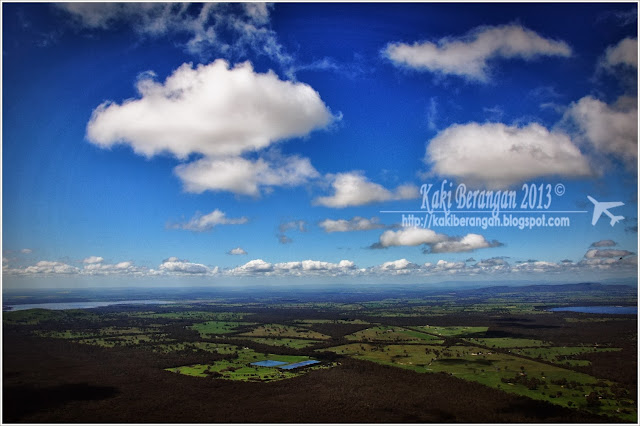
{"x":469,"y":242}
{"x":436,"y":243}
{"x":219,"y":113}
{"x":237,"y":251}
{"x":610,"y":129}
{"x":594,"y":253}
{"x":468,"y":56}
{"x":175,"y":266}
{"x":242,"y":176}
{"x":51,"y":267}
{"x":313,"y":266}
{"x":294,"y":268}
{"x":409,"y":237}
{"x":624,"y":53}
{"x":356,"y":223}
{"x":26,"y":251}
{"x":448,"y":266}
{"x":204,"y":30}
{"x":400,"y":264}
{"x":253,"y":266}
{"x":93,"y":259}
{"x":201,"y":223}
{"x":354,"y":189}
{"x":126,"y":267}
{"x":498,"y":156}
{"x":212,"y":110}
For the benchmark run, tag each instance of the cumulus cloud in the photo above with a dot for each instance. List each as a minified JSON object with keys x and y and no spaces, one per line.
{"x":126,"y":267}
{"x":243,"y":176}
{"x":206,"y":29}
{"x":212,"y":109}
{"x":237,"y":251}
{"x":595,"y":253}
{"x":51,"y":267}
{"x":604,"y":243}
{"x":434,"y":242}
{"x":356,"y":223}
{"x":625,"y":53}
{"x":93,"y":259}
{"x":26,"y":251}
{"x":610,"y":129}
{"x":469,"y":242}
{"x":468,"y":56}
{"x":497,"y":156}
{"x":354,"y":189}
{"x":253,"y":266}
{"x":409,"y":237}
{"x":201,"y":223}
{"x":398,"y":265}
{"x":220,"y":114}
{"x":294,"y":268}
{"x":174,"y":265}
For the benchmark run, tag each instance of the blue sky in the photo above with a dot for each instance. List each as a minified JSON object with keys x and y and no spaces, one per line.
{"x":249,"y":143}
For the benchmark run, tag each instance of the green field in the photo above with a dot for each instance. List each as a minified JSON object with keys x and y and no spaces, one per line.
{"x":126,"y":340}
{"x":214,"y":328}
{"x":507,"y":372}
{"x":241,"y":369}
{"x":507,"y":342}
{"x":218,"y":348}
{"x":288,"y":343}
{"x":391,"y":334}
{"x":454,"y":331}
{"x":563,"y":355}
{"x":280,"y":330}
{"x":309,"y":322}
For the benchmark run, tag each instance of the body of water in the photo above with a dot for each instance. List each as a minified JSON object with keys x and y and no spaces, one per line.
{"x":56,"y":306}
{"x":633,"y":310}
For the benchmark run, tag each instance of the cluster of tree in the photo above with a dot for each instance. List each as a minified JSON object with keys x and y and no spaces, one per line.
{"x":531,"y":383}
{"x":569,"y":384}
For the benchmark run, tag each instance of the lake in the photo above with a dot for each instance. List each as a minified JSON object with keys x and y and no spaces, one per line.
{"x":80,"y":305}
{"x":620,"y":310}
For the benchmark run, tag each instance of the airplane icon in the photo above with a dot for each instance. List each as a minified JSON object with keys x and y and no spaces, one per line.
{"x":603,"y":207}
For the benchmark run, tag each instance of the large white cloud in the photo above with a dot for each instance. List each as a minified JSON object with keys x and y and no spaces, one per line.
{"x":354,"y":189}
{"x":356,"y":223}
{"x":610,"y":129}
{"x":496,"y":155}
{"x":222,"y":114}
{"x":200,"y":223}
{"x":468,"y":56}
{"x":211,"y":110}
